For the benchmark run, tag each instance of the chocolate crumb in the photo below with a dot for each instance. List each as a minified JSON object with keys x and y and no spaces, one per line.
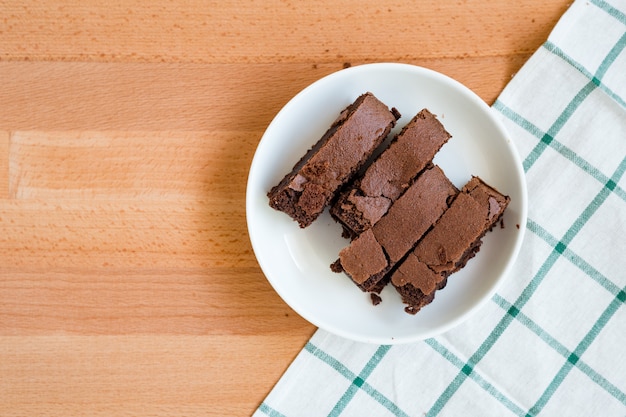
{"x":346,"y":233}
{"x":336,"y":266}
{"x":411,"y":310}
{"x":375,"y":298}
{"x":517,"y":225}
{"x":501,"y":223}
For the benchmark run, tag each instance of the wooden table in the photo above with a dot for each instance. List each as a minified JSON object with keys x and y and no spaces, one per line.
{"x":128,"y":285}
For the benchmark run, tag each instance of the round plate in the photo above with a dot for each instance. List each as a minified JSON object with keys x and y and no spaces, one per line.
{"x":297,"y":261}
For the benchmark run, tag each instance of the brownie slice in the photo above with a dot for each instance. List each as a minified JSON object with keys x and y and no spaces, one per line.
{"x":407,"y":220}
{"x":457,"y":235}
{"x":333,"y":160}
{"x":362,"y":259}
{"x":455,"y":238}
{"x":363,"y":203}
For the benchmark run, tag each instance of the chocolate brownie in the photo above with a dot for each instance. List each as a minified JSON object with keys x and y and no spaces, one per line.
{"x":333,"y":160}
{"x":363,"y":203}
{"x":407,"y":220}
{"x":454,"y":239}
{"x":457,"y":235}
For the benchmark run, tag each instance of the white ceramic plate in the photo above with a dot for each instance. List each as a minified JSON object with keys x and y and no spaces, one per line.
{"x":297,"y":261}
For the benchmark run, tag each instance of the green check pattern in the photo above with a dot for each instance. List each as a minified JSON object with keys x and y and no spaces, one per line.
{"x":553,"y":339}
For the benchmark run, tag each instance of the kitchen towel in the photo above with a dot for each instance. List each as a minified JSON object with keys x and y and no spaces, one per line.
{"x":552,"y":341}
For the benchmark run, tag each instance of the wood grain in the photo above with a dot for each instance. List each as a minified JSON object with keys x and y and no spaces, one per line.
{"x":137,"y":375}
{"x":4,"y":165}
{"x":272,"y":31}
{"x":128,"y":285}
{"x":190,"y":97}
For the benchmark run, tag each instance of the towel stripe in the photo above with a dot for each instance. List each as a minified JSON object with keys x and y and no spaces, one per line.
{"x":573,"y":359}
{"x":356,"y":381}
{"x":549,"y":136}
{"x":565,"y":151}
{"x":612,"y":55}
{"x":612,"y":11}
{"x":549,"y":46}
{"x":329,"y":360}
{"x":562,"y":350}
{"x":482,"y":382}
{"x":574,"y":258}
{"x":600,"y":323}
{"x":266,"y":409}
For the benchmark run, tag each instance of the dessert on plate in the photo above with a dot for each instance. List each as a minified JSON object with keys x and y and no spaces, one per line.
{"x":408,"y":224}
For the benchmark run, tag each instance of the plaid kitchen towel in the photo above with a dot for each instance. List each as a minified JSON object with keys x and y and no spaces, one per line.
{"x":552,"y":341}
